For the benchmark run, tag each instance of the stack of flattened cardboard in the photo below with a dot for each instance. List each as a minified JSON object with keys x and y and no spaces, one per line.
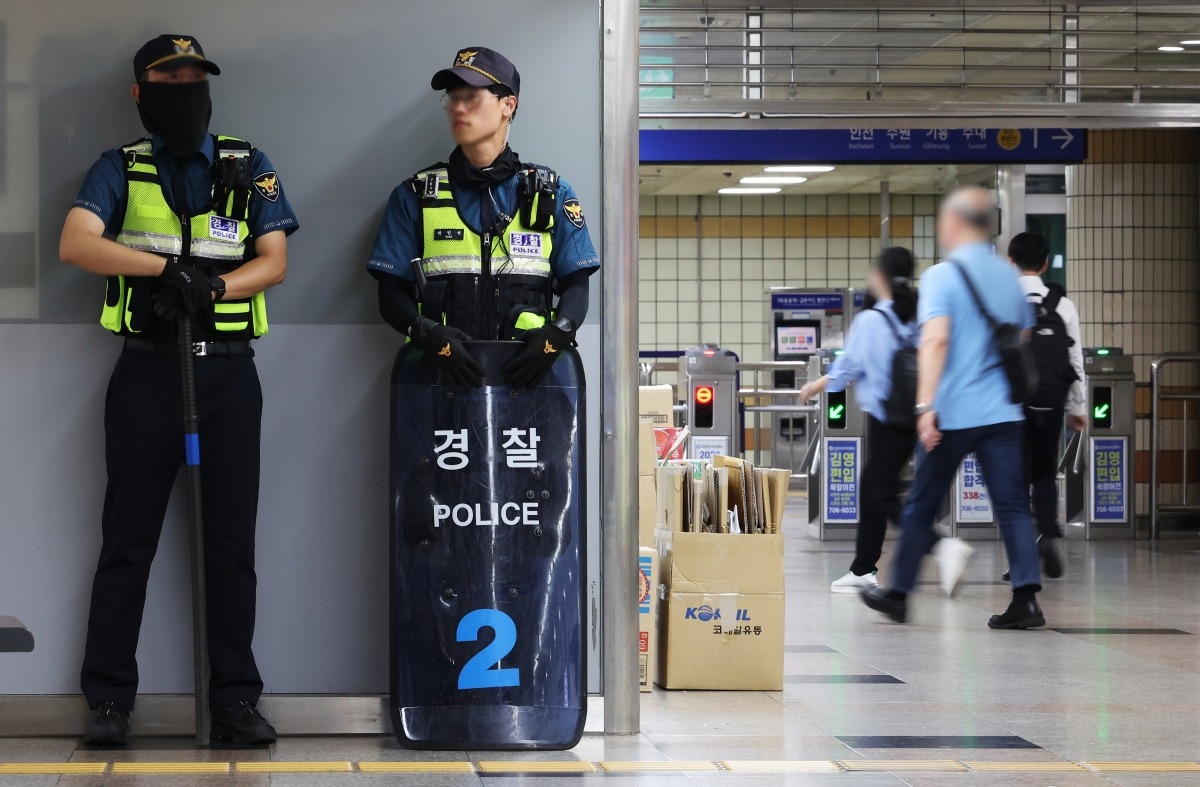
{"x":720,"y":564}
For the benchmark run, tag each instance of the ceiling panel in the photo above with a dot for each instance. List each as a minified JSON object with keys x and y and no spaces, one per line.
{"x":855,"y":179}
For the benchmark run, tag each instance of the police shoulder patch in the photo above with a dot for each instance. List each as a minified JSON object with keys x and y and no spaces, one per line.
{"x":267,"y":186}
{"x":574,"y":212}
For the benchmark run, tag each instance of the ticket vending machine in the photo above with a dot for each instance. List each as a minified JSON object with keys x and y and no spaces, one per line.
{"x":803,"y":320}
{"x":712,"y":408}
{"x":1099,"y":476}
{"x":836,"y":461}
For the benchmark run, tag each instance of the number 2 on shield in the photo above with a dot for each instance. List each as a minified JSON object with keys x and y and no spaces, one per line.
{"x":478,"y":673}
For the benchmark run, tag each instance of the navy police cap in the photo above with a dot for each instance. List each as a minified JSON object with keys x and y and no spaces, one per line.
{"x":169,"y":52}
{"x":478,"y":66}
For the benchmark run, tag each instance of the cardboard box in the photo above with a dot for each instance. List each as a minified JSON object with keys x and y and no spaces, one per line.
{"x":720,"y":562}
{"x":647,"y":503}
{"x":657,"y":402}
{"x":721,"y":640}
{"x":647,"y":454}
{"x":668,"y":482}
{"x":647,"y":614}
{"x":721,"y":611}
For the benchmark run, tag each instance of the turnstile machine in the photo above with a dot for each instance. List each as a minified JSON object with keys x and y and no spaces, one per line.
{"x":1099,"y":481}
{"x":803,"y":320}
{"x":835,"y":460}
{"x":712,"y":402}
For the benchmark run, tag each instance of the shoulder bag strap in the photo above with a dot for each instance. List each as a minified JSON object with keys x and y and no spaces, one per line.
{"x":992,"y":322}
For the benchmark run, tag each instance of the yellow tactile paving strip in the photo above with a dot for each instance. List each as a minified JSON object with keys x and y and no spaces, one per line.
{"x":580,"y":767}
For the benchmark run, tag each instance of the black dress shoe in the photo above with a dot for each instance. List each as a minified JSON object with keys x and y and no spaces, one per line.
{"x":1021,"y":614}
{"x":241,"y":725}
{"x":1051,"y":559}
{"x":892,"y":604}
{"x":109,"y":725}
{"x":1006,"y":576}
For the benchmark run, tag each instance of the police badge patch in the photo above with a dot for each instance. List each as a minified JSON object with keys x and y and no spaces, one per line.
{"x":267,"y":186}
{"x":574,"y":212}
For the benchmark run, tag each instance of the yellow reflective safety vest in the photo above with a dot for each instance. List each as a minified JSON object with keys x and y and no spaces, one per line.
{"x":495,"y":283}
{"x":215,"y":242}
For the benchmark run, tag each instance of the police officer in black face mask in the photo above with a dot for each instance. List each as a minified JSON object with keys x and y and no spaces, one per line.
{"x":485,"y":246}
{"x":182,"y":223}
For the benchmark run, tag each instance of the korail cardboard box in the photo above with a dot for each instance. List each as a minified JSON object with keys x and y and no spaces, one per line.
{"x":721,"y":611}
{"x":647,"y":608}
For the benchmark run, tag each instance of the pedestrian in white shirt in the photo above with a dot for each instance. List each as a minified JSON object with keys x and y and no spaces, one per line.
{"x":1058,"y":349}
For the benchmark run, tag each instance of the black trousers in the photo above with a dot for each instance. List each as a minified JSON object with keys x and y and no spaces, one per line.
{"x":888,"y":450}
{"x":143,"y":425}
{"x":1043,"y":436}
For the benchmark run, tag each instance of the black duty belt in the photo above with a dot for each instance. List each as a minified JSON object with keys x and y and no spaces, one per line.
{"x":199,"y":349}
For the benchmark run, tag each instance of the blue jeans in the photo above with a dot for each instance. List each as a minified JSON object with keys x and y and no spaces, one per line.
{"x":1001,"y":452}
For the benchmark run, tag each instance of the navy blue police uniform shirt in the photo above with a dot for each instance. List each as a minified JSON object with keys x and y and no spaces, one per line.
{"x":103,"y":189}
{"x":398,"y":241}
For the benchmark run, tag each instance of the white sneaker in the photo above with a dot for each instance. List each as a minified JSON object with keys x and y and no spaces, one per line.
{"x":952,"y":556}
{"x":852,"y":583}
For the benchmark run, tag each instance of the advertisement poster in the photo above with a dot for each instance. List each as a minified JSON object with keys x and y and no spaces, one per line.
{"x":1110,"y":478}
{"x":843,"y":469}
{"x":972,"y":501}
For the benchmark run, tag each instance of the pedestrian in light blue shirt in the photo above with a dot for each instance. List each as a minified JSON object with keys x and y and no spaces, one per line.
{"x":885,"y":327}
{"x":965,"y":405}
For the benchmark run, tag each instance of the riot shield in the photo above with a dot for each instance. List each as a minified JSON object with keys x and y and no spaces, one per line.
{"x":487,"y":563}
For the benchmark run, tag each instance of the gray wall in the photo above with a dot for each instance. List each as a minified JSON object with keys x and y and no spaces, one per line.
{"x":337,"y":94}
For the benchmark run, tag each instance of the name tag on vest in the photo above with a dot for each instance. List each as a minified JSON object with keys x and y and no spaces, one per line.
{"x":527,"y":243}
{"x":222,"y":228}
{"x":447,"y":234}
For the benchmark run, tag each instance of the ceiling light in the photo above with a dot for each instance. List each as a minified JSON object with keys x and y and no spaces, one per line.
{"x":1170,"y":49}
{"x":799,"y":168}
{"x":784,"y":180}
{"x":1190,"y":43}
{"x":736,"y":190}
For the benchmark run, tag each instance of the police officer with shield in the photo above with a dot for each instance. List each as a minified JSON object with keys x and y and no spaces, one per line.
{"x":479,"y":247}
{"x":483,"y":262}
{"x":184,"y":224}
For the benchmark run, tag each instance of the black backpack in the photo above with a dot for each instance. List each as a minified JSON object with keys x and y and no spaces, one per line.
{"x":902,"y":399}
{"x":1051,"y":352}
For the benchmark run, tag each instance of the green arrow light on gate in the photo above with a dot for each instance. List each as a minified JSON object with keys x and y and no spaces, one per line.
{"x":1100,"y":411}
{"x":835,"y":411}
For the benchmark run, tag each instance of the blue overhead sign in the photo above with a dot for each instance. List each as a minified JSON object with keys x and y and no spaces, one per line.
{"x":864,"y":145}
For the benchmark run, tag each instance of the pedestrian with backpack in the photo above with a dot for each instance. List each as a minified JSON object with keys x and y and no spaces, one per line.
{"x":880,"y":359}
{"x":1058,"y":352}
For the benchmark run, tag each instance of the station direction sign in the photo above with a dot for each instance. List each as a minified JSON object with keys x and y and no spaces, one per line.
{"x":864,"y":145}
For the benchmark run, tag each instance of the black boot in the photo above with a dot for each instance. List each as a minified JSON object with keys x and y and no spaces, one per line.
{"x":1051,"y":560}
{"x":109,"y":725}
{"x":241,"y":725}
{"x":891,"y":603}
{"x":1022,"y":613}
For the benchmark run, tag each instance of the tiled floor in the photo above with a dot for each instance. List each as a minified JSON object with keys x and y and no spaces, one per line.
{"x":931,"y":703}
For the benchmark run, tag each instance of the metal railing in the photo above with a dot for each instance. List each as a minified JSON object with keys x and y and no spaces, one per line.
{"x":692,"y":53}
{"x":752,"y":390}
{"x":1158,"y":396}
{"x":780,"y":402}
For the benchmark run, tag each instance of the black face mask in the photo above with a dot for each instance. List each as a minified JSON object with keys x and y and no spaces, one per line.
{"x":177,"y":112}
{"x":466,"y":174}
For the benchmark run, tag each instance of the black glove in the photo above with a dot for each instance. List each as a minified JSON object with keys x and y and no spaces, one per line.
{"x":542,"y":347}
{"x":182,"y":290}
{"x":446,"y":348}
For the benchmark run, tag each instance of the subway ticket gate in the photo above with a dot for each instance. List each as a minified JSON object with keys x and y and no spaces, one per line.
{"x":835,"y":461}
{"x":712,"y":412}
{"x":1099,"y":481}
{"x":487,"y":557}
{"x":967,"y":510}
{"x":802,"y":321}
